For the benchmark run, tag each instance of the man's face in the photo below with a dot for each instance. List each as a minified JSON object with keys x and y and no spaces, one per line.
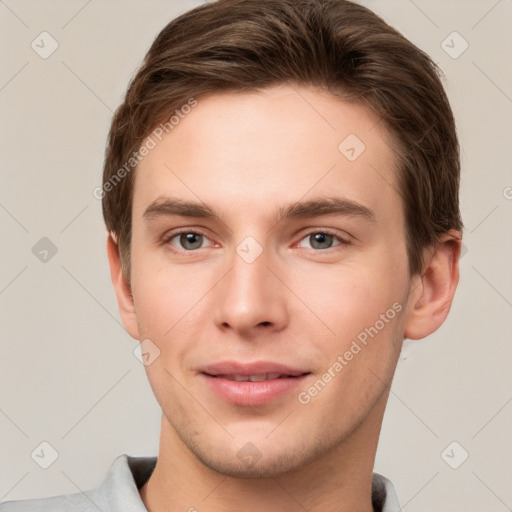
{"x":259,"y":289}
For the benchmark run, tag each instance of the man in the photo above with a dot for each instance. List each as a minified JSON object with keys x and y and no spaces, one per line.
{"x":281,"y":198}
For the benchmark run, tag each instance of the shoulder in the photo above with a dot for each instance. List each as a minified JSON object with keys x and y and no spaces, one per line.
{"x":117,"y":492}
{"x":83,"y":502}
{"x":384,"y":498}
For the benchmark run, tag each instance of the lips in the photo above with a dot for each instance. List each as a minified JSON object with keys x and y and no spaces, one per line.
{"x":253,"y":378}
{"x":251,"y":384}
{"x":250,"y":369}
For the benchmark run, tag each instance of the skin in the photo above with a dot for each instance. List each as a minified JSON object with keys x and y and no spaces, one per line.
{"x":301,"y":304}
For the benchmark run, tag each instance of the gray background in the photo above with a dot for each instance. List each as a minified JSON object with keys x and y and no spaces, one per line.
{"x":68,"y":375}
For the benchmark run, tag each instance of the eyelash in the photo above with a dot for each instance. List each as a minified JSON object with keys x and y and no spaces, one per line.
{"x":342,"y":242}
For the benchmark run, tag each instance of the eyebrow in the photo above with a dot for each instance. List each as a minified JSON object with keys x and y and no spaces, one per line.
{"x":299,"y":210}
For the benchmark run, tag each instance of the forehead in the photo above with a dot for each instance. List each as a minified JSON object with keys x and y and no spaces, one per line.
{"x":258,"y":148}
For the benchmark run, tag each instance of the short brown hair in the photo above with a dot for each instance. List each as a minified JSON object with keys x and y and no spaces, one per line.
{"x":337,"y":45}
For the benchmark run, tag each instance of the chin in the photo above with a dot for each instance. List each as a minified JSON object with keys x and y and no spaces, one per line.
{"x":265,"y":467}
{"x":250,"y":461}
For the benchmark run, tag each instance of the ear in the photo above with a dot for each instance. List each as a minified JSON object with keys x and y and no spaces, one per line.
{"x":431,"y":294}
{"x":123,"y":292}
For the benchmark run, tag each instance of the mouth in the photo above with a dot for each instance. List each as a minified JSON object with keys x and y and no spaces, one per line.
{"x":255,"y":378}
{"x":252,"y":384}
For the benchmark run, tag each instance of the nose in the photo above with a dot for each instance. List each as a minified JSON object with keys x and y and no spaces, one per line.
{"x":251,"y":299}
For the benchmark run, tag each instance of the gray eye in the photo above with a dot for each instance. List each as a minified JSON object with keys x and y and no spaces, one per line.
{"x":321,"y":240}
{"x":191,"y":241}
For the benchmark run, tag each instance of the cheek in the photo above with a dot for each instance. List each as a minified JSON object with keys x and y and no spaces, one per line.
{"x":169,"y":304}
{"x":165,"y":295}
{"x":363,"y":307}
{"x":358,"y":361}
{"x":348,"y":299}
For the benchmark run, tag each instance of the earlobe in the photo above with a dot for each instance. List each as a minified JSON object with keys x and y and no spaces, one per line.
{"x":431,"y":296}
{"x":122,"y":290}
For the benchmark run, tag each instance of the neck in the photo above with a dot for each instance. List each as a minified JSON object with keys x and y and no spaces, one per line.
{"x":337,"y":481}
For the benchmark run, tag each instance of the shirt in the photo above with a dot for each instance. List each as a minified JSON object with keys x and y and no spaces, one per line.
{"x":119,"y":492}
